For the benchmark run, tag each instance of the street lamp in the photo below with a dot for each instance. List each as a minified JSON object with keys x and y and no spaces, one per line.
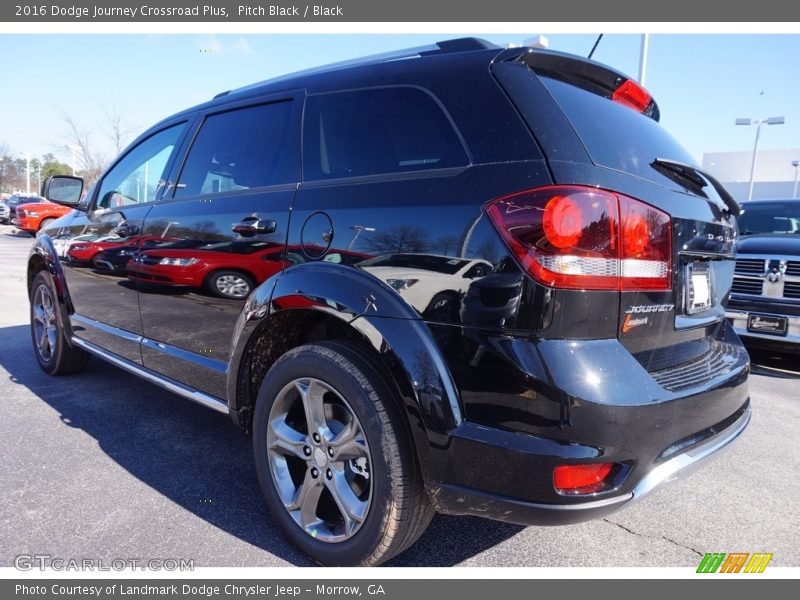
{"x":358,"y":229}
{"x":73,"y":148}
{"x":796,"y":165}
{"x":758,"y":123}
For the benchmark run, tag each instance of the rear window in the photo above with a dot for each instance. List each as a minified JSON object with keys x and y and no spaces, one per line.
{"x":238,"y":150}
{"x":614,"y":135}
{"x":377,"y":131}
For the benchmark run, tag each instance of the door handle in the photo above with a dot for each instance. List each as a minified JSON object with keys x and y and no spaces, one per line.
{"x":250,"y":226}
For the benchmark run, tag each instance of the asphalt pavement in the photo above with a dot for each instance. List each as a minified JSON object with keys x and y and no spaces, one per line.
{"x":103,"y":465}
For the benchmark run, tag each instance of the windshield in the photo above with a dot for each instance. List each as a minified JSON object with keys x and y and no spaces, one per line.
{"x":769,"y":218}
{"x":426,"y":262}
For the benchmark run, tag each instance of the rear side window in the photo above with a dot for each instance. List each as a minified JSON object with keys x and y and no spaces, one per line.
{"x":238,"y":150}
{"x":377,"y":131}
{"x":614,"y":135}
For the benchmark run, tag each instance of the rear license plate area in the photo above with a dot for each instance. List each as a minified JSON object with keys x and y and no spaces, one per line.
{"x":698,"y":295}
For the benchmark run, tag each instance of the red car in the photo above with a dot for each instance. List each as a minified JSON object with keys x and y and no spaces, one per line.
{"x":85,"y":252}
{"x":226,"y":269}
{"x":33,"y":216}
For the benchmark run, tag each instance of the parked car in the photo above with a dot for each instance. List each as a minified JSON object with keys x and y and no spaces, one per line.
{"x":612,"y":372}
{"x":764,"y":307}
{"x":493,"y":301}
{"x":12,"y":202}
{"x":116,"y":259}
{"x":432,"y":284}
{"x":63,"y":241}
{"x":33,"y":216}
{"x":227,"y":269}
{"x":56,"y":228}
{"x":84,"y":252}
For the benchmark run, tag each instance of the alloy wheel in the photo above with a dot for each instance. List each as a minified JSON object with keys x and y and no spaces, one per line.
{"x":319,"y":460}
{"x":45,"y":322}
{"x":232,"y":286}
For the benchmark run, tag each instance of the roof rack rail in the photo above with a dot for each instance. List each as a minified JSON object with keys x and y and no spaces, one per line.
{"x":444,"y":47}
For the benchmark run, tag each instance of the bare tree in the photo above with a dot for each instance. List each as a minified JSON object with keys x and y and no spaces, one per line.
{"x":92,"y":157}
{"x":117,"y":130}
{"x":401,"y":238}
{"x":92,"y":162}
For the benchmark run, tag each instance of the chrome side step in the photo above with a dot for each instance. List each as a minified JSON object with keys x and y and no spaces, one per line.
{"x":148,"y":375}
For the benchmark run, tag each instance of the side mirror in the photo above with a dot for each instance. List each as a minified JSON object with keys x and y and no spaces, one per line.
{"x":64,"y":189}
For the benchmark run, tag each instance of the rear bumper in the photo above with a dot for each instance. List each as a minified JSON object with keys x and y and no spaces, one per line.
{"x":461,"y":500}
{"x":533,"y":405}
{"x":790,"y":342}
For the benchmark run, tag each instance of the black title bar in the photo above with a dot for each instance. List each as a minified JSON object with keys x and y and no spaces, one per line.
{"x":343,"y":11}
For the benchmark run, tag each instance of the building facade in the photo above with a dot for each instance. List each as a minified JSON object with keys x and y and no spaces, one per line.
{"x":774,"y":175}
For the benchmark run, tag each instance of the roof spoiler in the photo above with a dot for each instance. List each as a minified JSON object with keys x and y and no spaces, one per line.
{"x":589,"y":75}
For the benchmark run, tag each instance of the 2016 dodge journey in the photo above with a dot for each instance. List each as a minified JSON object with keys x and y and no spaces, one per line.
{"x":460,"y":278}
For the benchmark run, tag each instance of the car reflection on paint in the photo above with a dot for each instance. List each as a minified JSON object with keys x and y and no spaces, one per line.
{"x":492,"y":300}
{"x":431,"y":283}
{"x":116,"y":259}
{"x":226,"y":269}
{"x":82,"y":253}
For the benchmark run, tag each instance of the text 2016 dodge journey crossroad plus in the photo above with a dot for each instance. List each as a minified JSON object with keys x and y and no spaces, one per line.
{"x":476,"y":281}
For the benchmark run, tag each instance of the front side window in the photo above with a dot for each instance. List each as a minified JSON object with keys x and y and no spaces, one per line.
{"x":135,"y":179}
{"x":239,"y":150}
{"x":377,"y":131}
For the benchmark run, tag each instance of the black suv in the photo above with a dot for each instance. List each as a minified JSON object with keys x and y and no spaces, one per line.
{"x":765,"y":301}
{"x":558,"y":348}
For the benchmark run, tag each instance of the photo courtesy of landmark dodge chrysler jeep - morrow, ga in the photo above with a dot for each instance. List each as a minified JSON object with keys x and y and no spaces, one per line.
{"x":578,"y":354}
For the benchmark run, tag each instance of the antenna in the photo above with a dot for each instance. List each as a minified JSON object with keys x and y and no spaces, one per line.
{"x":599,"y":37}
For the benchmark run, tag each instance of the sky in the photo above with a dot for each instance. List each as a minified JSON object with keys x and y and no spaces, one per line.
{"x":702,"y":83}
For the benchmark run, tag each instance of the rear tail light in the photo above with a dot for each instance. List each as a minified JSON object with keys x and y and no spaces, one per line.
{"x":581,"y":479}
{"x":586,"y":238}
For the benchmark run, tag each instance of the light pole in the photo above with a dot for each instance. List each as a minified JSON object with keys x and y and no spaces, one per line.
{"x":643,"y":58}
{"x":796,"y":165}
{"x":758,"y":123}
{"x":358,"y":229}
{"x":73,"y":148}
{"x":28,"y":173}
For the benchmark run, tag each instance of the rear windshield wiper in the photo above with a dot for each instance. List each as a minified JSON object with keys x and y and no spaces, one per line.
{"x":698,"y":180}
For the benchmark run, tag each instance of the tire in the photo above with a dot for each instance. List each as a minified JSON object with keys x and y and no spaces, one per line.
{"x":53,"y":353}
{"x":45,"y":223}
{"x":443,"y":308}
{"x":230,"y":284}
{"x":376,"y":470}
